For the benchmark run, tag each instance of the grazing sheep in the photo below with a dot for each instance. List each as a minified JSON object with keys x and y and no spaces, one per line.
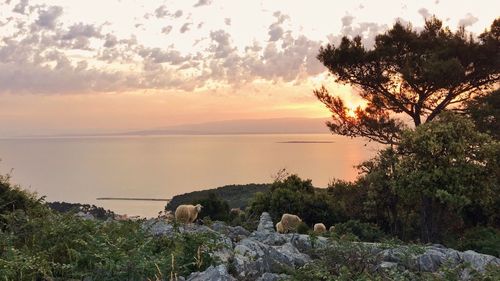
{"x":290,"y":222}
{"x":279,"y":228}
{"x":332,"y":228}
{"x":187,"y":213}
{"x":319,"y":228}
{"x":236,"y":211}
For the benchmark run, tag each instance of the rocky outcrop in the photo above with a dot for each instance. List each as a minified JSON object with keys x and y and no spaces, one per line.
{"x":218,"y":273}
{"x":430,"y":258}
{"x":265,"y":254}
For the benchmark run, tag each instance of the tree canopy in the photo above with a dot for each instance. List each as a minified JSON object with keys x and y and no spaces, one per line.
{"x":410,"y":73}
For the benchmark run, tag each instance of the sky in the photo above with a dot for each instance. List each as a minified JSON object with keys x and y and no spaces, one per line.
{"x":73,"y":66}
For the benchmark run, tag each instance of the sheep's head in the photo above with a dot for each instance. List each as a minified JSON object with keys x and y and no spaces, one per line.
{"x":198,"y":207}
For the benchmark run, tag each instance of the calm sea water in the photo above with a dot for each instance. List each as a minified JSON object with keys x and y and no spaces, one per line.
{"x":83,"y":169}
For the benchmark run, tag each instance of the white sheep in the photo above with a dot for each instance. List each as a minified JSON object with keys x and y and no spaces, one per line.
{"x":187,"y":213}
{"x":332,"y":228}
{"x":319,"y":228}
{"x":279,"y":228}
{"x":290,"y":222}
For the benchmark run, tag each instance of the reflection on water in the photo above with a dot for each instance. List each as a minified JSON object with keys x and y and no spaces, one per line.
{"x":82,"y":169}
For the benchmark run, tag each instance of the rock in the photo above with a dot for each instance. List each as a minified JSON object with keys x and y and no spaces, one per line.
{"x":479,"y":261}
{"x":269,"y":238}
{"x":84,"y":216}
{"x":434,"y":256}
{"x":430,"y":261}
{"x":265,"y":223}
{"x":218,"y":273}
{"x":272,"y":277}
{"x":304,"y":242}
{"x":235,"y":233}
{"x":387,"y":265}
{"x":253,"y":258}
{"x":293,"y":258}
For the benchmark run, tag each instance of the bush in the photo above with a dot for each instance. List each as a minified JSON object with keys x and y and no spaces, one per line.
{"x":343,"y":260}
{"x":366,"y":232}
{"x":484,"y":240}
{"x":302,"y":228}
{"x":296,"y":196}
{"x":214,"y":208}
{"x":37,"y":243}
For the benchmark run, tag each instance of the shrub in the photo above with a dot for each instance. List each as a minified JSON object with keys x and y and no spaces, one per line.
{"x":364,"y":231}
{"x":302,"y":228}
{"x":484,"y":240}
{"x":37,"y":243}
{"x":213,"y":207}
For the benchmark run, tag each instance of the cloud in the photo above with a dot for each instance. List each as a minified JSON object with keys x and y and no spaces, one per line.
{"x":48,"y":17}
{"x":424,"y":13}
{"x":222,"y":47}
{"x":347,"y":20}
{"x":21,"y":7}
{"x":275,"y":30}
{"x":110,"y":41}
{"x":161,"y":11}
{"x":185,"y":27}
{"x":367,"y":30}
{"x":157,"y":55}
{"x":81,"y":30}
{"x":39,"y":57}
{"x":203,"y":3}
{"x":468,"y":20}
{"x":178,"y":14}
{"x":166,"y":29}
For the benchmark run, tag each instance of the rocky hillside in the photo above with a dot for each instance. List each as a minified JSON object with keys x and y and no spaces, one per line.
{"x":266,"y":255}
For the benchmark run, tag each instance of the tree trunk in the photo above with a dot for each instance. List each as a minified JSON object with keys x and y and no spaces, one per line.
{"x":426,"y":222}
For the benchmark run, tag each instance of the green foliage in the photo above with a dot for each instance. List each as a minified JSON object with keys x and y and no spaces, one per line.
{"x":237,"y":196}
{"x":343,"y":260}
{"x":97,"y":212}
{"x":345,"y":198}
{"x":303,"y":228}
{"x":213,"y":207}
{"x":363,"y":231}
{"x":14,"y":199}
{"x":446,"y":166}
{"x":414,"y":73}
{"x":484,"y":110}
{"x":484,"y":240}
{"x":441,"y":178}
{"x":294,"y":196}
{"x":37,"y":243}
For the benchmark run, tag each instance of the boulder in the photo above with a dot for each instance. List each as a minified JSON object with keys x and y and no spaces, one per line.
{"x":265,"y":223}
{"x":235,"y":233}
{"x":272,"y":277}
{"x":479,"y":261}
{"x":305,"y":243}
{"x":253,"y":258}
{"x":218,"y":273}
{"x":436,"y":255}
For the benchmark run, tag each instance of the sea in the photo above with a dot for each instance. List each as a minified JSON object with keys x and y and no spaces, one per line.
{"x":82,"y":169}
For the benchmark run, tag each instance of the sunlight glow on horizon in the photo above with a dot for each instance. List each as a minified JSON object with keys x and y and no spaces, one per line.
{"x":118,"y":65}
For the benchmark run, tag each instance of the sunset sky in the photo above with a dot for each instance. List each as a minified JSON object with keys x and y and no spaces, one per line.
{"x":119,"y":65}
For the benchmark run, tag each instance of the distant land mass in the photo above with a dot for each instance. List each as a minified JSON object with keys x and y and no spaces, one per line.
{"x":226,"y":127}
{"x":245,"y":126}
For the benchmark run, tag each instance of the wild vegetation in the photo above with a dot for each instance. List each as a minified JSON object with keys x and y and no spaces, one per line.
{"x":236,"y":196}
{"x":37,"y":243}
{"x":437,"y":181}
